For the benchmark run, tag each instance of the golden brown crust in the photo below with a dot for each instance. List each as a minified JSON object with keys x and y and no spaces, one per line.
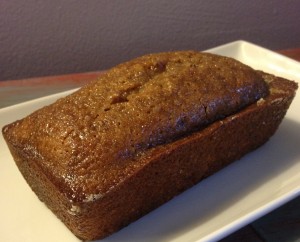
{"x":136,"y":106}
{"x":77,"y":158}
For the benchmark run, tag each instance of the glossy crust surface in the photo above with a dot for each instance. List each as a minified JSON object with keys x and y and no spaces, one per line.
{"x":99,"y":158}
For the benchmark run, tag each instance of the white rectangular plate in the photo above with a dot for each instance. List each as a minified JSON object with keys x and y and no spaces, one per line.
{"x":221,"y":204}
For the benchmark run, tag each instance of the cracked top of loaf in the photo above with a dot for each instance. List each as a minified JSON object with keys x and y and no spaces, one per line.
{"x":91,"y":140}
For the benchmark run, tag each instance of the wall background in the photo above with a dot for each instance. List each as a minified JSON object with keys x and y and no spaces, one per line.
{"x":51,"y":37}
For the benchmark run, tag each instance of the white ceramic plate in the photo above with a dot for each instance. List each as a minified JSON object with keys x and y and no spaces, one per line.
{"x":242,"y":192}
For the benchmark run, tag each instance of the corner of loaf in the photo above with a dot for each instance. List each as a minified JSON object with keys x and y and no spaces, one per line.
{"x":141,"y":134}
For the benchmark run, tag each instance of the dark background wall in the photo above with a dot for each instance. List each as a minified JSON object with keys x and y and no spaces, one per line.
{"x":39,"y":38}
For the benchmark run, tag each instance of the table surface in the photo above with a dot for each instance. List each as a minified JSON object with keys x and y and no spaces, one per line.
{"x":283,"y":224}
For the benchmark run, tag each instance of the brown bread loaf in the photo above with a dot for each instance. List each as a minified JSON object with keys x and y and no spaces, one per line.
{"x":142,"y":133}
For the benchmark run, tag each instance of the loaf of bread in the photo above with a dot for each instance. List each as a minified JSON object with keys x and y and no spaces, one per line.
{"x":145,"y":131}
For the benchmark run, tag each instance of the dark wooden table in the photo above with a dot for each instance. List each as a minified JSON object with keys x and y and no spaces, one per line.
{"x":281,"y":225}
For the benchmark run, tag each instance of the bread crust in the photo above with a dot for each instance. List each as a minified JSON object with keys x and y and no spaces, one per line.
{"x":184,"y":160}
